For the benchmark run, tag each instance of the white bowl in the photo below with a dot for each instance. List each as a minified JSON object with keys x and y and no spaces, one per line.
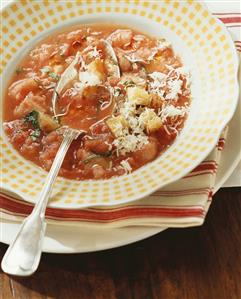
{"x":204,"y":46}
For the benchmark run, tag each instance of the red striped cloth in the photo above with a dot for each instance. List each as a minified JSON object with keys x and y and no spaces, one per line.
{"x":177,"y":205}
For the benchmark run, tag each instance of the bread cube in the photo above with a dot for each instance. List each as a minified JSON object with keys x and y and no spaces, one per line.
{"x":157,"y":102}
{"x":117,"y":124}
{"x":150,"y":120}
{"x":138,"y":96}
{"x":46,"y":122}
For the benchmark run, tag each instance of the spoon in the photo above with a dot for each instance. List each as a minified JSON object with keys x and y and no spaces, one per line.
{"x":23,"y":255}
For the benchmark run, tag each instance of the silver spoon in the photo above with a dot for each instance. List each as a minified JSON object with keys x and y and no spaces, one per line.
{"x":23,"y":255}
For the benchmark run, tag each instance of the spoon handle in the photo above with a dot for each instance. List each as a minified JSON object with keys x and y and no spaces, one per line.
{"x":23,"y":255}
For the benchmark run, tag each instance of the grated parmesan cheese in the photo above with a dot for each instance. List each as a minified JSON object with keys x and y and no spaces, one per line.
{"x":172,"y":111}
{"x":129,"y":142}
{"x":163,"y":44}
{"x":94,"y":53}
{"x":127,"y":167}
{"x":133,"y":137}
{"x":175,"y":88}
{"x":168,"y":86}
{"x":157,"y":83}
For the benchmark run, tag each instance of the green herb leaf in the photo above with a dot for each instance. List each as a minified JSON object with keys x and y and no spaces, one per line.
{"x":32,"y":118}
{"x":117,"y":92}
{"x":45,"y":69}
{"x":54,"y":76}
{"x":35,"y":134}
{"x":128,"y":83}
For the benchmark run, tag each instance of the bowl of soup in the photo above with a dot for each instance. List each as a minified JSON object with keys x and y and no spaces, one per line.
{"x":152,"y":95}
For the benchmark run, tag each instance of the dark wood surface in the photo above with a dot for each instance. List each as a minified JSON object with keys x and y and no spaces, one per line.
{"x":201,"y":262}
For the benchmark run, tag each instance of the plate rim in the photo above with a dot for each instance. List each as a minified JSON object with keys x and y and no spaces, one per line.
{"x":75,"y":205}
{"x":149,"y":231}
{"x":147,"y":234}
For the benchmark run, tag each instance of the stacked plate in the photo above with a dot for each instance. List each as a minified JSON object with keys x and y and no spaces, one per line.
{"x":205,"y":47}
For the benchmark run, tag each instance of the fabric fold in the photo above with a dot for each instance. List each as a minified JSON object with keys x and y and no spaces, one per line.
{"x":181,"y":204}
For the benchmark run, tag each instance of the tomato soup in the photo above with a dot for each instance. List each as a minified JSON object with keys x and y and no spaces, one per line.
{"x":128,"y":91}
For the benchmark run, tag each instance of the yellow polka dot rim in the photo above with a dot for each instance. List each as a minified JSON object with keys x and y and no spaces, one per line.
{"x":205,"y":48}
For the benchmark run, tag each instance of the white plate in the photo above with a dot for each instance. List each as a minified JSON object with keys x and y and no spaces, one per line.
{"x":71,"y":239}
{"x":203,"y":125}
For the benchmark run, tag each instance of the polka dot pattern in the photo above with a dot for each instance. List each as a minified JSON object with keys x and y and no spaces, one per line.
{"x":216,"y":63}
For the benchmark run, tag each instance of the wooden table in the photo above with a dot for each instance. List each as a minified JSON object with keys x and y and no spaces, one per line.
{"x":201,"y":262}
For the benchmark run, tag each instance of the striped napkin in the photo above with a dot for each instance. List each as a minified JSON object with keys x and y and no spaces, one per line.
{"x":180,"y":204}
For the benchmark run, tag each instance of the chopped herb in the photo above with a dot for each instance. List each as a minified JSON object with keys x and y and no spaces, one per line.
{"x":35,"y":134}
{"x":54,"y":76}
{"x":129,"y":83}
{"x":32,"y":118}
{"x":117,"y":92}
{"x":19,"y":70}
{"x":45,"y":69}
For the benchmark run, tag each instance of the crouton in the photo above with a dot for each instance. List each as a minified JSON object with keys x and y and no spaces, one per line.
{"x":116,"y":125}
{"x":138,"y":96}
{"x":46,"y":122}
{"x":157,"y":102}
{"x":150,"y":120}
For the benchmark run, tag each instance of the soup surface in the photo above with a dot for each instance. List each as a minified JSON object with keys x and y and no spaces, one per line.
{"x":128,"y":91}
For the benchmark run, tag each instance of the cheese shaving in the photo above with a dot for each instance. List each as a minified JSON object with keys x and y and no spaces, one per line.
{"x":175,"y":88}
{"x":125,"y":164}
{"x":157,"y":83}
{"x":129,"y":142}
{"x":168,"y":86}
{"x":172,"y":111}
{"x":132,"y":138}
{"x":163,"y":44}
{"x":94,"y":53}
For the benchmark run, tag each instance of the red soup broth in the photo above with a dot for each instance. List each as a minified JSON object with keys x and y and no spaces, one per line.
{"x":130,"y":93}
